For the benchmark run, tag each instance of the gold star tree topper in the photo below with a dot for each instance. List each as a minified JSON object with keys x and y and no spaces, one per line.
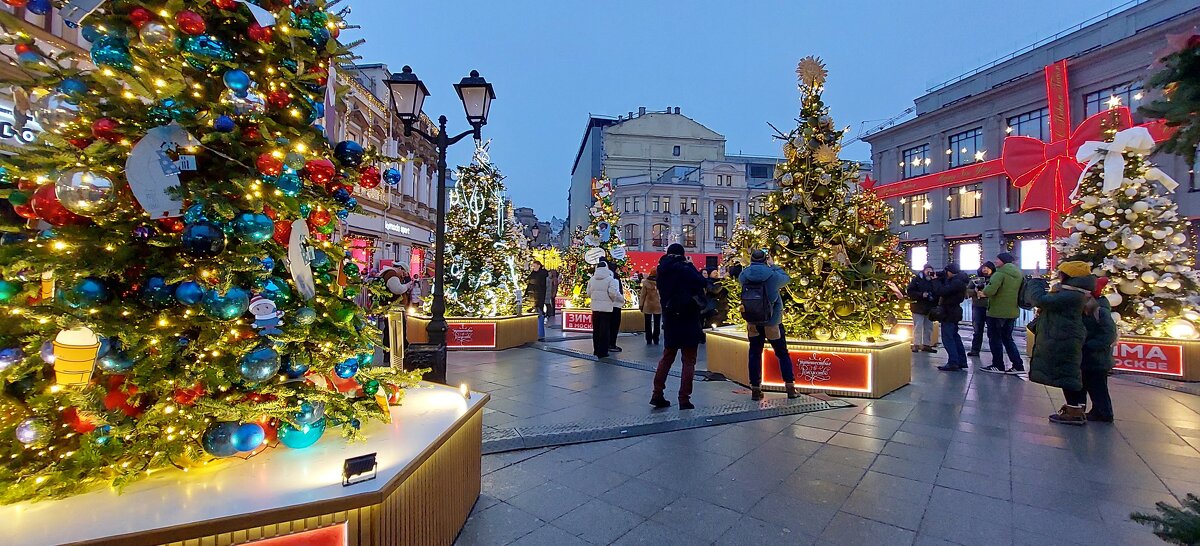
{"x":811,"y":72}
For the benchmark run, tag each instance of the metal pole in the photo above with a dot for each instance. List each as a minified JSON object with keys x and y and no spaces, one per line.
{"x":437,"y":323}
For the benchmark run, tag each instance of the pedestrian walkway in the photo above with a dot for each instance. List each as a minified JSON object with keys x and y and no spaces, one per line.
{"x":954,"y":458}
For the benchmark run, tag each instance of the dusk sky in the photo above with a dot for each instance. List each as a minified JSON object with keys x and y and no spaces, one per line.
{"x":728,"y":64}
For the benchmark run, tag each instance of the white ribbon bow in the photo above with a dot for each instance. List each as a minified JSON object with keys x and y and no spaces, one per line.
{"x":1134,"y":139}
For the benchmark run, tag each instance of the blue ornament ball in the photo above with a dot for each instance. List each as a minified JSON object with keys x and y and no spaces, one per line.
{"x":203,"y":239}
{"x":249,"y":436}
{"x":47,"y":352}
{"x":289,"y":183}
{"x":189,"y":293}
{"x":349,"y":153}
{"x":305,"y":209}
{"x":115,"y":362}
{"x":253,"y":227}
{"x":392,"y":176}
{"x":347,"y":369}
{"x":343,"y":214}
{"x":274,"y":289}
{"x":90,"y":291}
{"x":90,"y":33}
{"x":195,"y":213}
{"x":204,"y":50}
{"x":29,"y":59}
{"x":237,"y":81}
{"x":259,"y":365}
{"x":355,"y":423}
{"x":227,"y":306}
{"x":310,"y":412}
{"x":341,"y":195}
{"x":218,"y":439}
{"x":38,"y":7}
{"x":268,"y":263}
{"x":10,"y":356}
{"x":111,"y":51}
{"x":224,"y":124}
{"x":305,"y":316}
{"x":157,"y":294}
{"x":320,"y":260}
{"x":302,"y":437}
{"x":295,"y":366}
{"x":73,"y":87}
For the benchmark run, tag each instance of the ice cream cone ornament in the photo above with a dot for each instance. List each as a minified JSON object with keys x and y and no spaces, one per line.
{"x":75,"y":352}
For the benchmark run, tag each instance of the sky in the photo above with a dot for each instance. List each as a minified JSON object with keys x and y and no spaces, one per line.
{"x":728,"y":64}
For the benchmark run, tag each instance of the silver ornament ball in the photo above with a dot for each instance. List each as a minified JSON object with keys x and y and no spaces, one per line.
{"x":86,"y":193}
{"x":155,"y":34}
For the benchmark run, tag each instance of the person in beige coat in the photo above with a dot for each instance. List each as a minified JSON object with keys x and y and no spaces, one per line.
{"x":651,"y":308}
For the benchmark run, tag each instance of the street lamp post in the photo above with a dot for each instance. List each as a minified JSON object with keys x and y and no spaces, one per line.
{"x":408,"y":96}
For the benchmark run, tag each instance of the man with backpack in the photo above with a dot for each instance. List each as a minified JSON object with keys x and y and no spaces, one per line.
{"x":1003,"y":291}
{"x":762,"y":308}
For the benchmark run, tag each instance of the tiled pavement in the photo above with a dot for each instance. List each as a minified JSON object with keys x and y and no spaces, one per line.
{"x":960,"y":458}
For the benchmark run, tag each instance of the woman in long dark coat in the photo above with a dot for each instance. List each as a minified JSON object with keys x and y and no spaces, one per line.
{"x":1059,"y":335}
{"x":1098,"y":356}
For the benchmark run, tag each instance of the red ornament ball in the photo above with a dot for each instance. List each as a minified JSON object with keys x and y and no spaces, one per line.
{"x":25,"y":211}
{"x":283,"y":232}
{"x":45,"y":203}
{"x":319,"y":217}
{"x":369,"y":177}
{"x":106,"y":128}
{"x":81,"y":143}
{"x":26,"y":184}
{"x":76,"y":421}
{"x":321,"y":72}
{"x":251,"y":133}
{"x":190,"y":22}
{"x":22,"y":48}
{"x":279,"y":98}
{"x":171,"y":225}
{"x":259,"y":33}
{"x":269,"y":164}
{"x":16,"y":3}
{"x":225,"y":4}
{"x":140,"y":16}
{"x":189,"y":396}
{"x":320,"y":171}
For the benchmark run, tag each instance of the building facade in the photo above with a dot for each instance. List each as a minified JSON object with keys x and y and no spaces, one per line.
{"x":672,"y":180}
{"x":963,"y":123}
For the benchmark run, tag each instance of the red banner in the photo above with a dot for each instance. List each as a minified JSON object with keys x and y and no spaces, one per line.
{"x":1153,"y":358}
{"x":471,"y":335}
{"x":1058,"y":96}
{"x":952,"y":177}
{"x":822,"y":370}
{"x":334,"y":535}
{"x":577,"y":321}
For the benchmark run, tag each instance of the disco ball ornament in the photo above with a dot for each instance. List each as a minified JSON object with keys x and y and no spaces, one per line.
{"x":251,"y":103}
{"x":227,"y":306}
{"x":154,"y":34}
{"x":10,"y":356}
{"x":310,"y":412}
{"x":32,"y":431}
{"x":349,"y":153}
{"x":346,"y":369}
{"x":157,"y":294}
{"x":218,"y":439}
{"x":305,"y":316}
{"x":203,"y":239}
{"x":259,"y":365}
{"x":249,"y":436}
{"x":783,"y":240}
{"x":189,"y":293}
{"x":301,"y":437}
{"x":253,"y":227}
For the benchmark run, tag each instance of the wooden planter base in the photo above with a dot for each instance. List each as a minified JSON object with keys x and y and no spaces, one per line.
{"x":854,"y":369}
{"x":479,"y":334}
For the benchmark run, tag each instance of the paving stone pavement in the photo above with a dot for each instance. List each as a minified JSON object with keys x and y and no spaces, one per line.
{"x":953,"y":458}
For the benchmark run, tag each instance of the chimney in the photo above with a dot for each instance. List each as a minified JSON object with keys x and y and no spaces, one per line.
{"x":676,"y":109}
{"x":642,"y":111}
{"x":631,"y":114}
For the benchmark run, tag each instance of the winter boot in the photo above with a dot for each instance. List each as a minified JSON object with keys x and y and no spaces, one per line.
{"x":659,"y":401}
{"x":791,"y":390}
{"x":756,"y":393}
{"x":686,"y":404}
{"x":1069,"y":415}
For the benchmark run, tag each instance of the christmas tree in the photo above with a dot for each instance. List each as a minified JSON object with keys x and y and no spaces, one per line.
{"x":833,"y":241}
{"x":601,"y":241}
{"x":165,"y":303}
{"x":1131,"y":231}
{"x":489,"y":257}
{"x":1178,"y":77}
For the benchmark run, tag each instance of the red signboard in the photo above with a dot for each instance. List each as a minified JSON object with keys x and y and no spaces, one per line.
{"x":822,"y":370}
{"x":562,"y":302}
{"x":1155,"y":358}
{"x":334,"y":535}
{"x":471,"y":335}
{"x":577,"y":321}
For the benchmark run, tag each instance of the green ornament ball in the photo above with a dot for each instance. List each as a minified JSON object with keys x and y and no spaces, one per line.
{"x":8,"y":290}
{"x":344,"y":314}
{"x":371,"y":387}
{"x":305,"y":316}
{"x":18,"y":198}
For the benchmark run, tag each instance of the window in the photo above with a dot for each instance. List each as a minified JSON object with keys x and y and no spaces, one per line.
{"x":695,"y":203}
{"x":916,"y":161}
{"x":675,"y":151}
{"x":637,"y":204}
{"x":965,"y":202}
{"x":970,"y":256}
{"x":626,"y":204}
{"x":654,"y":204}
{"x":689,"y":236}
{"x":966,"y":148}
{"x":719,"y":232}
{"x":666,"y":204}
{"x":1013,"y":196}
{"x":762,"y":171}
{"x":1126,"y":94}
{"x":721,"y":214}
{"x":659,"y":234}
{"x":918,"y":256}
{"x":729,"y":180}
{"x":631,"y":235}
{"x":1035,"y":254}
{"x":915,"y":209}
{"x":1034,"y":124}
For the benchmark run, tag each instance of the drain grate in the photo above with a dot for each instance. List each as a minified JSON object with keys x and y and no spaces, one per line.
{"x":498,"y":440}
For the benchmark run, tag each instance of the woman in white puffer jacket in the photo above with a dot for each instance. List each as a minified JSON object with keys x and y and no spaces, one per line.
{"x":605,"y":293}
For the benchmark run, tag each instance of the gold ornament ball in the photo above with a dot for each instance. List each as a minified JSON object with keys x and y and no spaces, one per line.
{"x":85,"y":193}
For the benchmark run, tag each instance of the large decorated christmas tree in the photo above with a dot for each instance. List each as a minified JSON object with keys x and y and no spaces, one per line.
{"x":600,"y":241}
{"x":487,"y":251}
{"x":170,"y":289}
{"x":832,"y":238}
{"x":1131,"y":231}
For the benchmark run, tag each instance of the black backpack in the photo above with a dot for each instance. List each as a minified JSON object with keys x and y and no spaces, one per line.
{"x":1024,"y":299}
{"x":756,"y":309}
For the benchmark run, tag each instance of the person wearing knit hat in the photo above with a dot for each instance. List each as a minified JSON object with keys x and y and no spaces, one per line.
{"x":1097,"y":355}
{"x":1059,"y":336}
{"x":1002,"y":292}
{"x":681,"y":291}
{"x":979,"y":306}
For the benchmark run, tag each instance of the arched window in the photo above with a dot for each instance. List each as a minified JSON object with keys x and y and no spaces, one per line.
{"x":659,"y":234}
{"x":689,"y":236}
{"x":631,"y":235}
{"x":720,"y":223}
{"x":722,"y":214}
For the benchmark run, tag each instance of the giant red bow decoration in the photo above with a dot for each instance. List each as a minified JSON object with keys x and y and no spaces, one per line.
{"x":1050,"y":170}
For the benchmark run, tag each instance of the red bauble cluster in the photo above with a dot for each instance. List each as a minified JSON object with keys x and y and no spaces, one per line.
{"x":269,"y":164}
{"x":171,"y":225}
{"x":259,"y":33}
{"x":119,"y":396}
{"x":106,"y":128}
{"x":45,"y":203}
{"x":320,"y":171}
{"x":279,"y":98}
{"x":190,"y":22}
{"x":77,"y":422}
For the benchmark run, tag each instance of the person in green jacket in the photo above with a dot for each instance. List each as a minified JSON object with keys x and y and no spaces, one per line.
{"x":1002,"y":291}
{"x":1059,"y":335}
{"x":1098,"y":356}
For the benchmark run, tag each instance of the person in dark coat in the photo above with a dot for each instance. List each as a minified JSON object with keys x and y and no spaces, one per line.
{"x":979,"y":306}
{"x":536,"y":288}
{"x":1059,"y":335}
{"x":679,"y":286}
{"x":1097,"y":355}
{"x":951,"y":290}
{"x":921,"y":297}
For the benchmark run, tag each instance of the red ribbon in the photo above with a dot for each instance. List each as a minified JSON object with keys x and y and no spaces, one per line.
{"x":1050,"y":170}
